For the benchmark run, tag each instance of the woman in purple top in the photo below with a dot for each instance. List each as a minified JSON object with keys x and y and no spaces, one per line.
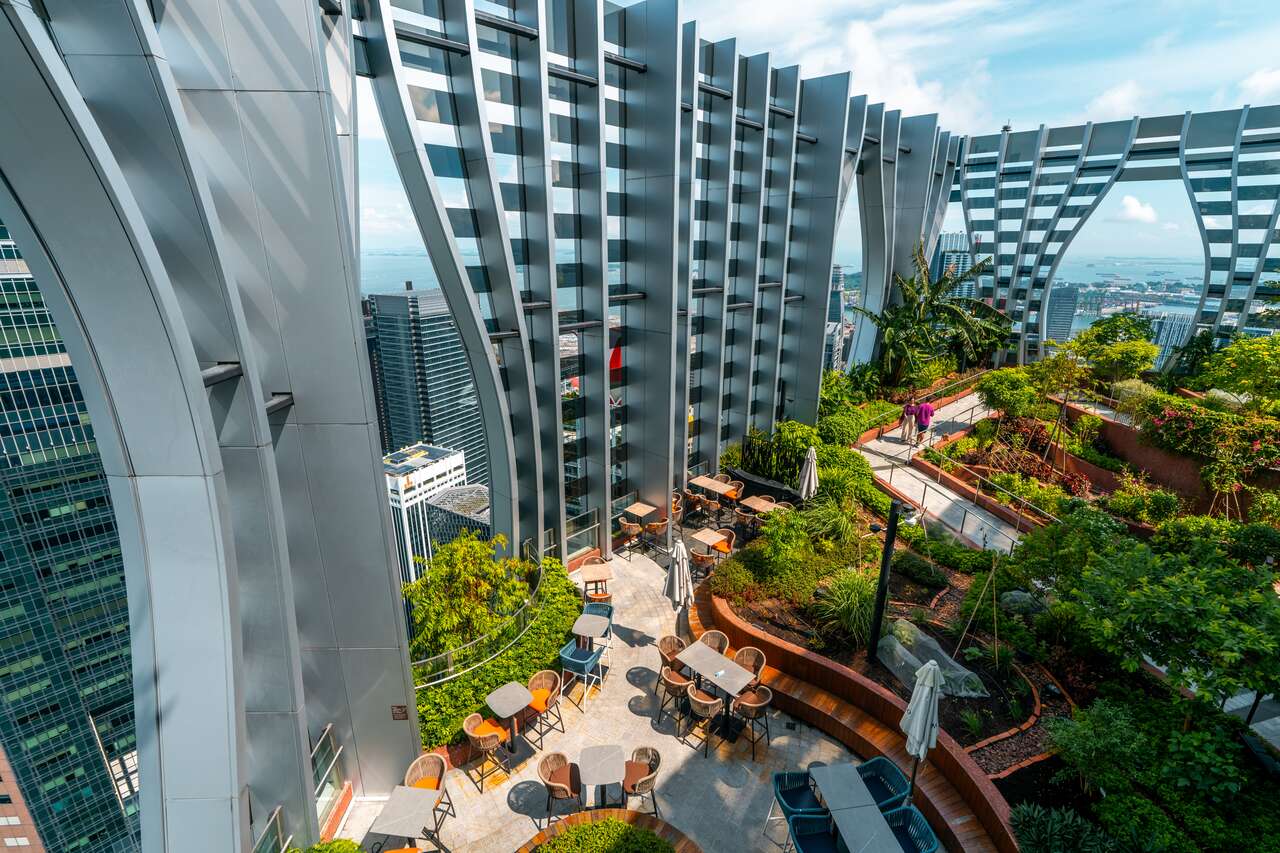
{"x":924,"y":417}
{"x":908,"y":420}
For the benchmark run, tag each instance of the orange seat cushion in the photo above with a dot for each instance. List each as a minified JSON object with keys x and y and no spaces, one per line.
{"x":491,"y":727}
{"x":540,"y":697}
{"x":722,"y":547}
{"x":732,"y":494}
{"x":429,"y":782}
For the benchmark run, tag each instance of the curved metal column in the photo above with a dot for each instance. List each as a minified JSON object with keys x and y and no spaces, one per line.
{"x":255,"y":82}
{"x":690,"y":67}
{"x":396,"y":90}
{"x":121,"y":72}
{"x":824,"y":114}
{"x":71,"y":208}
{"x":875,"y":206}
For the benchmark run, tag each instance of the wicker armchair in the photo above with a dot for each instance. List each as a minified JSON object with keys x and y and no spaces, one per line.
{"x":673,"y":687}
{"x":711,"y":508}
{"x":726,"y":547}
{"x":722,"y":478}
{"x":544,"y":710}
{"x":739,"y":488}
{"x":560,"y":776}
{"x":485,"y":738}
{"x":785,"y":505}
{"x":702,"y":564}
{"x":752,"y":707}
{"x":692,"y":502}
{"x":630,"y":535}
{"x":427,"y":771}
{"x":642,"y":776}
{"x":655,"y":534}
{"x":746,"y":520}
{"x":715,"y":639}
{"x":703,"y":709}
{"x":668,"y":647}
{"x":751,"y":659}
{"x":597,"y":596}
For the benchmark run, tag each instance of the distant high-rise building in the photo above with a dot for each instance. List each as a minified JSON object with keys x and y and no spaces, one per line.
{"x":17,"y":827}
{"x":1062,"y":311}
{"x":835,"y":305}
{"x":1170,"y":331}
{"x":66,"y":707}
{"x":457,"y":509}
{"x":414,"y":475}
{"x":953,"y":253}
{"x":375,"y":368}
{"x":428,"y":394}
{"x":833,"y":347}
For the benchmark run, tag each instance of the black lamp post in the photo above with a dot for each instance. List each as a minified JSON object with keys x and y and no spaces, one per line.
{"x":882,"y":587}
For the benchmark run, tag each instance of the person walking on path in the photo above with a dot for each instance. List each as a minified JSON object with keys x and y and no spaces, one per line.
{"x":909,"y":420}
{"x":924,"y":417}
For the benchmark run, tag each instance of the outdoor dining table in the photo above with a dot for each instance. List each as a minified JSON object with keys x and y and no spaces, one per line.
{"x":860,"y":823}
{"x":595,"y":574}
{"x":507,"y":702}
{"x":406,"y":811}
{"x":710,"y":538}
{"x":709,"y":484}
{"x":723,"y":672}
{"x":759,"y":503}
{"x":601,"y":766}
{"x":640,"y":510}
{"x":590,"y":627}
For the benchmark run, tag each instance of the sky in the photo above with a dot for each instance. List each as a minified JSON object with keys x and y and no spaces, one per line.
{"x":980,"y":64}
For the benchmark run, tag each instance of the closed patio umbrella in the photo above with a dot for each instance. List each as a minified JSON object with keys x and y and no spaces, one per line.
{"x":809,"y":475}
{"x":679,"y":580}
{"x":920,"y":722}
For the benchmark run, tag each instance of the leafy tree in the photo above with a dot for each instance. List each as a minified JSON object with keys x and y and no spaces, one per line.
{"x":1211,"y":622}
{"x":837,"y":394}
{"x":1247,"y":366}
{"x":1008,"y":390}
{"x":1193,"y":354}
{"x":1123,"y":360}
{"x":929,"y":320}
{"x":1115,"y":329}
{"x":465,"y":592}
{"x":1100,"y":743}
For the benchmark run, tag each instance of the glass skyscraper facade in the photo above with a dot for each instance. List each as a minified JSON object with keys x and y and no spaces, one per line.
{"x":66,"y":687}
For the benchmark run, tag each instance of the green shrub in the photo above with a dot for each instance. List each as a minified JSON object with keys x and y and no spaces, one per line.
{"x":846,"y":604}
{"x":780,"y":455}
{"x":733,"y":581}
{"x":1008,"y":390}
{"x":337,"y":845}
{"x":731,"y":456}
{"x":1058,"y":830}
{"x":838,"y":456}
{"x":984,"y":432}
{"x":1046,"y":411}
{"x":1044,"y":497}
{"x":1265,"y":507}
{"x":1087,"y":428}
{"x":918,"y":569}
{"x":841,"y":429}
{"x":441,"y":709}
{"x":828,"y":518}
{"x":1131,"y":394}
{"x":606,"y":836}
{"x":1138,"y":500}
{"x":1253,"y":543}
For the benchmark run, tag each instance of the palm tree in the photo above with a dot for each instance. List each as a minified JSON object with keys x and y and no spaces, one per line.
{"x":929,"y":320}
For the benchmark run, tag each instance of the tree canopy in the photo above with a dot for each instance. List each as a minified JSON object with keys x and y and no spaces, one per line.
{"x":1247,"y":366}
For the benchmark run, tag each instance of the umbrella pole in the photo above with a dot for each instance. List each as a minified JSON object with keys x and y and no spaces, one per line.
{"x":911,"y":789}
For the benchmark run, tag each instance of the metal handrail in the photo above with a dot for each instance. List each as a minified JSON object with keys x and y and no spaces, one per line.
{"x":932,"y":438}
{"x":321,"y":778}
{"x":449,"y":655}
{"x":273,"y":839}
{"x":943,"y":391}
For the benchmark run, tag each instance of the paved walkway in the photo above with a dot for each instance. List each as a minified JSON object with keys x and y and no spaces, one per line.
{"x":889,"y":456}
{"x":720,"y":802}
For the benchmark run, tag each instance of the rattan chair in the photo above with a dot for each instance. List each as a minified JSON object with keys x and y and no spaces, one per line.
{"x":674,"y":688}
{"x":630,"y":535}
{"x":427,"y":771}
{"x":692,"y":503}
{"x":785,"y":505}
{"x":597,"y":596}
{"x":655,"y":533}
{"x":544,"y":710}
{"x":746,"y":520}
{"x":711,"y":508}
{"x":722,"y":478}
{"x":701,"y":564}
{"x":642,"y":776}
{"x":739,"y":488}
{"x":668,"y":647}
{"x":486,"y":738}
{"x":907,"y":821}
{"x":560,"y":776}
{"x":726,"y":547}
{"x":703,"y":709}
{"x":715,"y":639}
{"x":752,"y":706}
{"x":751,"y":659}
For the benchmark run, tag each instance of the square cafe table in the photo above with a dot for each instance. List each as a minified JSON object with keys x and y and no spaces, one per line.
{"x":407,"y":812}
{"x":601,"y":766}
{"x":507,"y":702}
{"x":711,"y":485}
{"x":715,"y":667}
{"x":759,"y":503}
{"x":860,"y":823}
{"x":640,"y":510}
{"x":707,"y":536}
{"x":590,"y":627}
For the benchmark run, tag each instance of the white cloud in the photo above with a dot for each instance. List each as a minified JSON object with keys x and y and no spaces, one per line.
{"x":1170,"y":226}
{"x":1261,"y":87}
{"x":1119,"y":102}
{"x":1133,"y":209}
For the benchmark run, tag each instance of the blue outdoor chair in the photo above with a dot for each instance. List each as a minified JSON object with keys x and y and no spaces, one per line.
{"x":812,"y":834}
{"x":582,"y":664}
{"x":599,"y":608}
{"x":911,"y":830}
{"x":887,"y":784}
{"x":793,"y":793}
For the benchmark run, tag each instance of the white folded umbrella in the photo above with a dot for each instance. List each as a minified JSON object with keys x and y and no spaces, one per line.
{"x":809,"y":475}
{"x":920,"y":722}
{"x":679,"y":580}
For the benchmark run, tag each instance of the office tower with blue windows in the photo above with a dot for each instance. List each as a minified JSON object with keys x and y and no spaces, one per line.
{"x":953,"y":254}
{"x":1062,"y":312}
{"x":66,"y":688}
{"x":422,"y":378}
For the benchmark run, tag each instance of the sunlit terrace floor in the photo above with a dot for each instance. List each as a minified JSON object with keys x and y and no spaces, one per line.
{"x":720,"y":802}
